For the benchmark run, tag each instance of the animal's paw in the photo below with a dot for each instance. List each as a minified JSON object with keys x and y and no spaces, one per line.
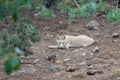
{"x":53,"y":47}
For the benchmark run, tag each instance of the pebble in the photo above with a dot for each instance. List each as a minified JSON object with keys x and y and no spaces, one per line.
{"x":51,"y":68}
{"x":76,"y":50}
{"x":70,"y":69}
{"x":96,"y":49}
{"x":16,"y":74}
{"x":79,"y":75}
{"x":37,"y":60}
{"x":65,"y":60}
{"x":90,"y":67}
{"x":114,"y":41}
{"x":59,"y":62}
{"x":83,"y":63}
{"x":93,"y":72}
{"x":99,"y":60}
{"x":115,"y":35}
{"x":30,"y":70}
{"x":93,"y":25}
{"x":51,"y":57}
{"x":84,"y":54}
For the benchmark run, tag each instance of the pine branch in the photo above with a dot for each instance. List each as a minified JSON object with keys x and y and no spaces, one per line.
{"x":76,"y":3}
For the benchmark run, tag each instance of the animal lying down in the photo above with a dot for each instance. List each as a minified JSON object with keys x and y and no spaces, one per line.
{"x":67,"y":41}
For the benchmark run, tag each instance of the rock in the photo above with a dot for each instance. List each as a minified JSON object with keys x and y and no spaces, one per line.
{"x":90,"y":67}
{"x":93,"y":72}
{"x":27,"y":71}
{"x":51,"y":68}
{"x":65,"y":60}
{"x":78,"y":75}
{"x":114,"y":41}
{"x":101,"y":13}
{"x":51,"y":57}
{"x":83,"y":63}
{"x":84,"y":54}
{"x":59,"y":62}
{"x":115,"y":35}
{"x":99,"y":60}
{"x":70,"y":69}
{"x":95,"y":50}
{"x":90,"y":73}
{"x":92,"y":25}
{"x":37,"y":60}
{"x":97,"y":34}
{"x":16,"y":74}
{"x":30,"y":70}
{"x":76,"y":50}
{"x":60,"y":22}
{"x":75,"y":21}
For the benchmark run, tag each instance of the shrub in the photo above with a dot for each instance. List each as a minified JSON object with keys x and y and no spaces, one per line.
{"x":15,"y":41}
{"x":113,"y":16}
{"x":74,"y":12}
{"x":47,"y":13}
{"x":88,"y":9}
{"x":62,"y":8}
{"x":102,"y":6}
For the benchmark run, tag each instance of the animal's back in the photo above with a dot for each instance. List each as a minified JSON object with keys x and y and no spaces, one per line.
{"x":78,"y":41}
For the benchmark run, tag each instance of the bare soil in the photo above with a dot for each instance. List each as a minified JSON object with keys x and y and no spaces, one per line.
{"x":106,"y":61}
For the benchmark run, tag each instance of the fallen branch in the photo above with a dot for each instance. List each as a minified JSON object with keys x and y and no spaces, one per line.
{"x":76,"y":3}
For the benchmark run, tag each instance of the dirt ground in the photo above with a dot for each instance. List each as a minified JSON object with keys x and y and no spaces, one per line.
{"x":73,"y":63}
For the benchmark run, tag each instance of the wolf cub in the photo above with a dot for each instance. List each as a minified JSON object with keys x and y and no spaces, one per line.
{"x":67,"y":41}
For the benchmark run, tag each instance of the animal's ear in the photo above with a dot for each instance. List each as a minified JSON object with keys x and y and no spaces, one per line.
{"x":64,"y":37}
{"x":57,"y":37}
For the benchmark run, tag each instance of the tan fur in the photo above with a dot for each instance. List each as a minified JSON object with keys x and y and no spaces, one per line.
{"x":66,"y":41}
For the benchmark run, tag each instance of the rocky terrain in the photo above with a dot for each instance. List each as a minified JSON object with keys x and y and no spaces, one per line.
{"x":100,"y":61}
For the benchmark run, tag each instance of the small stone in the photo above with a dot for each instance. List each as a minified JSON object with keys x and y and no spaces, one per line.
{"x":101,"y":13}
{"x":61,"y":22}
{"x":83,"y":63}
{"x":96,"y":49}
{"x":75,"y":21}
{"x":99,"y":60}
{"x":76,"y":50}
{"x":93,"y":25}
{"x":78,"y":75}
{"x":115,"y":35}
{"x":114,"y":41}
{"x":90,"y":73}
{"x":118,"y":78}
{"x":90,"y":67}
{"x":51,"y":68}
{"x":18,"y":73}
{"x":37,"y":60}
{"x":98,"y":34}
{"x":30,"y":70}
{"x":65,"y":60}
{"x":51,"y":57}
{"x":93,"y":72}
{"x":59,"y":62}
{"x":70,"y":69}
{"x":84,"y":54}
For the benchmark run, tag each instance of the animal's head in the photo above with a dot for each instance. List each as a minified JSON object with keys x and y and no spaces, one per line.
{"x":61,"y":41}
